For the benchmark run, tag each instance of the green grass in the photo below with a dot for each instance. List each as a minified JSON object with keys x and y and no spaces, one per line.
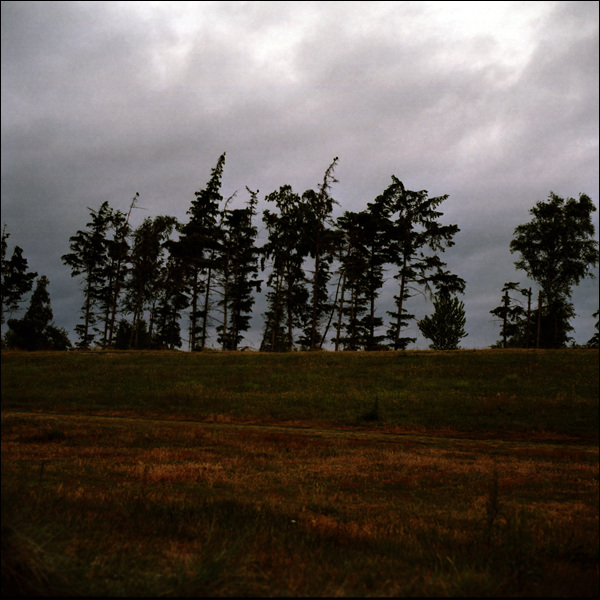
{"x":471,"y":473}
{"x":516,"y":391}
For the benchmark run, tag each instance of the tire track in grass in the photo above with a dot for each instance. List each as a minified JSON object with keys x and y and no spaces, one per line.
{"x":463,"y":442}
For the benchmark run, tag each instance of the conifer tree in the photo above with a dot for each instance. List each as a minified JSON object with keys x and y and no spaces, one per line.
{"x":321,"y":238}
{"x":172,"y":299}
{"x":197,"y":247}
{"x":416,"y":236}
{"x":516,"y":328}
{"x":118,"y":253}
{"x":16,"y":279}
{"x":286,"y":250}
{"x":446,"y":326}
{"x":361,"y":266}
{"x":88,"y":258}
{"x":147,"y":256}
{"x":238,"y":269}
{"x":35,"y":330}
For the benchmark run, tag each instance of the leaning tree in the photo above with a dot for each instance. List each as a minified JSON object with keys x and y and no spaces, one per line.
{"x":416,"y":238}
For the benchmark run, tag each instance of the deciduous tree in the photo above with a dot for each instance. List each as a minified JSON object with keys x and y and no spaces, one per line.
{"x":557,"y":250}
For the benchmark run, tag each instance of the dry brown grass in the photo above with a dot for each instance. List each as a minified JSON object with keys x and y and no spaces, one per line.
{"x":227,"y":509}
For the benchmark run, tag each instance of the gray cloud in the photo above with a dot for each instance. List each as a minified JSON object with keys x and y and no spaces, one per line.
{"x":104,"y":99}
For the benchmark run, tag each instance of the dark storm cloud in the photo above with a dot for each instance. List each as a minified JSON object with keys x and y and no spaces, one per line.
{"x":101,"y":100}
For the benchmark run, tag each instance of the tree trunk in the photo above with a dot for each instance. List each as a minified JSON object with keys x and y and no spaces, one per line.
{"x":400,"y":304}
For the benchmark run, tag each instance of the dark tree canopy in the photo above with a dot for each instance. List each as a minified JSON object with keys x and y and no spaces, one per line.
{"x":446,"y":326}
{"x":516,"y":325}
{"x":324,"y":273}
{"x":416,"y":237}
{"x":197,"y":247}
{"x":285,"y":250}
{"x":17,"y":280}
{"x":557,"y":250}
{"x":35,"y":330}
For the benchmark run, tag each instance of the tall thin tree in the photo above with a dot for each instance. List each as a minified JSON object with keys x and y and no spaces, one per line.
{"x":197,"y":245}
{"x":416,"y":236}
{"x":88,"y":259}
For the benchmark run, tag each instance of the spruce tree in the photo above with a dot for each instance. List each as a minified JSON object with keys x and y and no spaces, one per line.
{"x":147,"y":259}
{"x":516,"y":324}
{"x":172,"y":299}
{"x":361,"y":277}
{"x":35,"y":331}
{"x":446,"y":326}
{"x":319,"y":231}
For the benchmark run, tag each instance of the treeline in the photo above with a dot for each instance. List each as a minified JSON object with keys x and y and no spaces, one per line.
{"x":322,"y":276}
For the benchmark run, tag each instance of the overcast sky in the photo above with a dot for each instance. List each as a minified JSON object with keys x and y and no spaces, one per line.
{"x":492,"y":103}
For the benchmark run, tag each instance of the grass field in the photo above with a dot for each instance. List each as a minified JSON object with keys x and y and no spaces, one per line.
{"x":469,"y":473}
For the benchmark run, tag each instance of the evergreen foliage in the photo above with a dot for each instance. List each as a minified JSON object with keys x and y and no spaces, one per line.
{"x":415,"y":236}
{"x":517,"y":329}
{"x":446,"y":326}
{"x":17,"y":281}
{"x":35,"y":331}
{"x":238,"y":269}
{"x":286,"y":249}
{"x":197,"y":246}
{"x":89,"y":260}
{"x":324,"y":276}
